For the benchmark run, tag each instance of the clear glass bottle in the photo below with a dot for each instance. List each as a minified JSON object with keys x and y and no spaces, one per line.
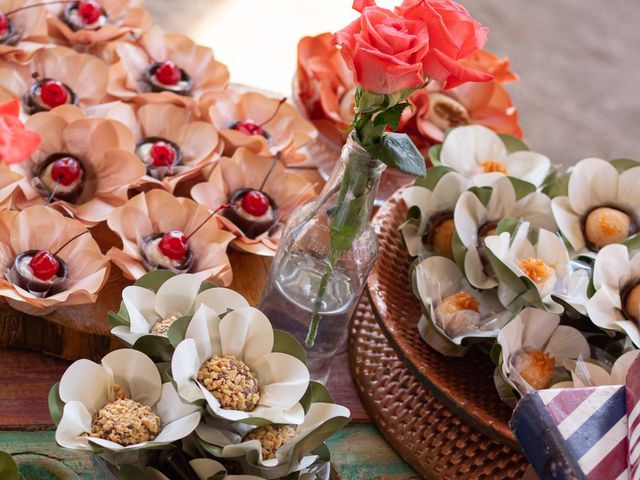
{"x":324,"y":257}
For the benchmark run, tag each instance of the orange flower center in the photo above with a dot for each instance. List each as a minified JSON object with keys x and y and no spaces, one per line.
{"x":491,"y":166}
{"x":536,"y":368}
{"x":536,"y":270}
{"x":609,"y":226}
{"x":442,"y":236}
{"x":458,"y":302}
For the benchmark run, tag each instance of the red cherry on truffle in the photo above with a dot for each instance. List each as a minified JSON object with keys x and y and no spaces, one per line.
{"x":4,"y":24}
{"x":174,"y":245}
{"x":44,"y":265}
{"x":255,"y":203}
{"x":66,"y":170}
{"x":53,"y":93}
{"x":168,"y":73}
{"x":249,"y":128}
{"x":162,"y":154}
{"x":90,"y":11}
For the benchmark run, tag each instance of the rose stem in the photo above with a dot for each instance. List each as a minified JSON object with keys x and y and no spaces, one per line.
{"x":43,"y":4}
{"x":68,"y":242}
{"x":221,"y":207}
{"x":273,"y":115}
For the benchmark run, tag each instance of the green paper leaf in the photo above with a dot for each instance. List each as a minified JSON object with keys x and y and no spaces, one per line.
{"x":316,"y":438}
{"x":434,"y":175}
{"x":508,"y":225}
{"x":459,"y":251}
{"x":434,"y":154}
{"x":286,"y":343}
{"x":210,"y":448}
{"x":623,"y":164}
{"x":513,"y":144}
{"x":398,"y":151}
{"x":483,"y":194}
{"x":522,"y":187}
{"x":164,"y":369}
{"x":131,"y":472}
{"x":56,"y":405}
{"x":316,"y":393}
{"x":632,"y":243}
{"x":154,"y":279}
{"x":178,"y":329}
{"x":8,"y":468}
{"x":154,"y":346}
{"x":121,"y":318}
{"x":560,"y":188}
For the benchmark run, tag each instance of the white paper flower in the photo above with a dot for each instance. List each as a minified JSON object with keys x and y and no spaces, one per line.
{"x":205,"y":468}
{"x":230,"y":437}
{"x":602,"y":206}
{"x":247,"y":335}
{"x":588,"y":374}
{"x":543,"y":266}
{"x":534,"y":345}
{"x":436,"y":212}
{"x":87,"y":387}
{"x":177,"y":297}
{"x":616,"y":303}
{"x":453,"y":309}
{"x":475,"y":150}
{"x":474,"y":221}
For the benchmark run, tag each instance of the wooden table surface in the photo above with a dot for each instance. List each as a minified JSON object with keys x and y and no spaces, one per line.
{"x":358,"y":451}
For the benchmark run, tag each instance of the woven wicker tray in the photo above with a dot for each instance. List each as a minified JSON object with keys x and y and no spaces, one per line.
{"x":434,"y":441}
{"x":465,"y":385}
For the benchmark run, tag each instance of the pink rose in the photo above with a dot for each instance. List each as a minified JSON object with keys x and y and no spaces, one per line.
{"x":453,"y":36}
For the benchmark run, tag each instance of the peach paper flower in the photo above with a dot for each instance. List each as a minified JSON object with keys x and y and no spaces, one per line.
{"x":26,"y":31}
{"x":117,"y":19}
{"x":132,"y":77}
{"x":246,"y":170}
{"x":16,"y":143}
{"x":79,"y":79}
{"x":261,"y":124}
{"x":43,"y":228}
{"x":488,"y":104}
{"x":104,"y":150}
{"x":9,"y":182}
{"x":158,"y":212}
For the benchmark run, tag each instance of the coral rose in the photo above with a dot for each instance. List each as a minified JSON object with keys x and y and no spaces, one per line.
{"x":16,"y":143}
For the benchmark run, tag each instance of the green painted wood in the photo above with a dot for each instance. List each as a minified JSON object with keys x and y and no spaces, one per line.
{"x":358,"y":452}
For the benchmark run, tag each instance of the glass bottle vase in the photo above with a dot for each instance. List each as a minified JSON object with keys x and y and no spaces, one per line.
{"x":324,"y":257}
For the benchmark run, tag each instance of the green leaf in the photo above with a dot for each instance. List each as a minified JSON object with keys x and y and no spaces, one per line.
{"x":164,"y":369}
{"x":522,"y":187}
{"x":316,"y":393}
{"x":633,"y":243}
{"x":286,"y":343}
{"x":56,"y":405}
{"x":370,"y":102}
{"x":434,"y":174}
{"x":178,"y":329}
{"x":483,"y":194}
{"x":459,"y":251}
{"x":8,"y":468}
{"x":560,"y":188}
{"x":623,"y":164}
{"x":154,"y":279}
{"x":507,"y":225}
{"x":434,"y":154}
{"x":398,"y":151}
{"x":121,"y":318}
{"x":513,"y":144}
{"x":154,"y":346}
{"x":390,"y":116}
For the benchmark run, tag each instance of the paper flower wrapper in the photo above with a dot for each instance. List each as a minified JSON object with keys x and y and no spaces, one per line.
{"x":161,"y":295}
{"x":303,"y":448}
{"x":589,"y":433}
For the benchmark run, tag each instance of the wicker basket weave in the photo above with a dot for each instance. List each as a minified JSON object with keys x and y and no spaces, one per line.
{"x":465,"y":385}
{"x":434,"y":441}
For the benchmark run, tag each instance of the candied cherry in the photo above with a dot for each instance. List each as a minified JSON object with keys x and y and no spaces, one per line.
{"x":255,"y":203}
{"x":44,"y":265}
{"x":174,"y":245}
{"x":90,"y":11}
{"x":168,"y":73}
{"x":53,"y":93}
{"x":162,"y":154}
{"x":66,"y":170}
{"x":4,"y":24}
{"x":249,"y":128}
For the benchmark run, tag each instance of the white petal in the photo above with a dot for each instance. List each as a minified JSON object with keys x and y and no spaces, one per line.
{"x":475,"y":272}
{"x":124,"y":333}
{"x":76,"y":421}
{"x":552,"y":251}
{"x":242,"y":449}
{"x":185,"y":364}
{"x":586,"y":374}
{"x":612,"y":267}
{"x":204,"y":330}
{"x":177,"y":295}
{"x":87,"y":383}
{"x":510,"y":339}
{"x":534,"y":208}
{"x":178,"y":429}
{"x":469,"y":215}
{"x":631,"y":329}
{"x":529,"y":166}
{"x":567,"y":342}
{"x":283,"y":379}
{"x":629,"y":190}
{"x":321,"y":412}
{"x":593,"y":183}
{"x":465,"y":148}
{"x":538,"y":326}
{"x":292,"y":416}
{"x":521,"y":247}
{"x":502,"y":200}
{"x":621,"y":367}
{"x":604,"y":309}
{"x":136,"y":373}
{"x":205,"y":467}
{"x":446,"y":193}
{"x":170,"y":407}
{"x":221,"y":299}
{"x":156,"y":475}
{"x":109,"y":445}
{"x":413,"y":240}
{"x":436,"y":278}
{"x":246,"y":334}
{"x":420,"y":197}
{"x":568,"y":222}
{"x":140,"y":304}
{"x":221,"y":433}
